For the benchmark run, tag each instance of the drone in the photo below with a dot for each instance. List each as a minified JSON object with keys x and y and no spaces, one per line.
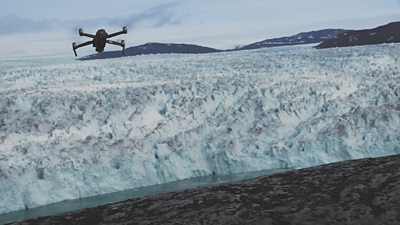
{"x":100,"y":40}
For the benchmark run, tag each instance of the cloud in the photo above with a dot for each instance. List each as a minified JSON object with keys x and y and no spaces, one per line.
{"x":157,"y":16}
{"x":11,"y":24}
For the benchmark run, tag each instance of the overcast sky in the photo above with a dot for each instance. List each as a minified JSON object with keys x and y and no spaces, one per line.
{"x":41,"y":27}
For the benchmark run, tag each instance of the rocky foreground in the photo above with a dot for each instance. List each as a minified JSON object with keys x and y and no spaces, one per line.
{"x":365,"y":191}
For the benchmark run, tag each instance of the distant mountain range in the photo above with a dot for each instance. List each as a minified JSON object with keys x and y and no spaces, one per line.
{"x":389,"y":33}
{"x":163,"y":48}
{"x":298,"y":39}
{"x":327,"y":38}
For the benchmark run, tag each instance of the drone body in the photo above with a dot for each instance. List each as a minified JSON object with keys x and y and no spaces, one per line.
{"x":100,"y":40}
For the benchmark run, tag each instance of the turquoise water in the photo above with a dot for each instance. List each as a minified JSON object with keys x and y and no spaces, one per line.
{"x":73,"y":205}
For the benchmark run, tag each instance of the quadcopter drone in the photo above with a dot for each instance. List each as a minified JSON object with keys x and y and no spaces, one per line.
{"x":100,"y":39}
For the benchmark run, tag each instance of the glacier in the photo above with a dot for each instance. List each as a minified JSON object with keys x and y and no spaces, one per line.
{"x":72,"y":129}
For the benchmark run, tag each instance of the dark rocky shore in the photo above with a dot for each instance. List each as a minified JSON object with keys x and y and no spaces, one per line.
{"x":355,"y":192}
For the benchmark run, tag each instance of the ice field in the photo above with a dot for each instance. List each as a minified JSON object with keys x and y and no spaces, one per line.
{"x":72,"y":129}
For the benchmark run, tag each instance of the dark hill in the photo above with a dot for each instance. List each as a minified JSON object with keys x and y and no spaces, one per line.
{"x":153,"y":48}
{"x":298,"y":39}
{"x":389,"y":33}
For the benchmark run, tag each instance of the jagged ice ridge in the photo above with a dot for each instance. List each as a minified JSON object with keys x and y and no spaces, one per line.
{"x":73,"y":129}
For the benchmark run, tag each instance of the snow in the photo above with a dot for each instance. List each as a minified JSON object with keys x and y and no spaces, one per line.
{"x":71,"y":129}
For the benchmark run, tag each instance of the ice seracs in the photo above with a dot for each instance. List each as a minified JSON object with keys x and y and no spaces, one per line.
{"x":66,"y":134}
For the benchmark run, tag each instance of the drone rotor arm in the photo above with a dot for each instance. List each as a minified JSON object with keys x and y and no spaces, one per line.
{"x":75,"y":46}
{"x":81,"y":33}
{"x":124,"y":31}
{"x":122,"y":44}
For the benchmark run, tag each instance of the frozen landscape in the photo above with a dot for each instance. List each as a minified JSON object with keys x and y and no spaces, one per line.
{"x":71,"y":129}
